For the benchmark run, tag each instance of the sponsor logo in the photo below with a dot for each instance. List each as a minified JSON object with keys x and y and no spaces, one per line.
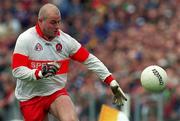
{"x":36,"y":65}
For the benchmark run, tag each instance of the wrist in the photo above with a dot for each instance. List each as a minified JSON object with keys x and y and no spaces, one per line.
{"x":109,"y":79}
{"x":38,"y":74}
{"x":114,"y":83}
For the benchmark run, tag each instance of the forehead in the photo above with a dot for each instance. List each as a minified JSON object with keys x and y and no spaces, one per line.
{"x":53,"y":15}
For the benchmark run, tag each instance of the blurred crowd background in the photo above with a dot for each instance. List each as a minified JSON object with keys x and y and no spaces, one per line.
{"x":127,"y":35}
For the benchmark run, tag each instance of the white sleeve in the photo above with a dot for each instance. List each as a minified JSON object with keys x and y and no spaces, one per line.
{"x":95,"y":65}
{"x":24,"y":73}
{"x":80,"y":54}
{"x":20,"y":58}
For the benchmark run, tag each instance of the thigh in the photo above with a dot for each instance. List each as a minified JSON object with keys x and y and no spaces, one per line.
{"x":63,"y":109}
{"x":33,"y":113}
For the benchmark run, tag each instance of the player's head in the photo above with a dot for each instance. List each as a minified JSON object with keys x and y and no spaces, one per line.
{"x":49,"y":20}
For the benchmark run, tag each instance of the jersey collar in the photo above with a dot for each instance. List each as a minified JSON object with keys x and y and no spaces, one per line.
{"x":40,"y":33}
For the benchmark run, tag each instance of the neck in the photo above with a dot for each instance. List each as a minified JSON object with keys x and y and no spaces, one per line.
{"x":49,"y":38}
{"x":45,"y":35}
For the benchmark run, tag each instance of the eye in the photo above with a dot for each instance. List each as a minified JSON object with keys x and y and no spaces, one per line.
{"x":58,"y":22}
{"x":53,"y":22}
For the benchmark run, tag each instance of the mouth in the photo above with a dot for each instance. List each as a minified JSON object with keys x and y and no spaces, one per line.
{"x":56,"y":32}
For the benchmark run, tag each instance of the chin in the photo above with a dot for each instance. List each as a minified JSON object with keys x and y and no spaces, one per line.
{"x":52,"y":35}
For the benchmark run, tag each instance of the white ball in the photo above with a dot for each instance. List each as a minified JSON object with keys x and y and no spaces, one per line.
{"x":154,"y":78}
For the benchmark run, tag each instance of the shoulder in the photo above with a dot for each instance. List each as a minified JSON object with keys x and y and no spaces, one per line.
{"x":65,"y":35}
{"x":28,"y":34}
{"x":69,"y":42}
{"x":25,"y":38}
{"x":66,"y":38}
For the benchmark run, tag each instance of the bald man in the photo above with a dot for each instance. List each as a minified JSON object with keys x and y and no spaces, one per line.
{"x":40,"y":63}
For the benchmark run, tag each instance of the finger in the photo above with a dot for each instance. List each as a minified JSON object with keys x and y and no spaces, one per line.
{"x":53,"y":68}
{"x":52,"y":65}
{"x":48,"y":75}
{"x":114,"y":100}
{"x":117,"y":101}
{"x":122,"y":93}
{"x":120,"y":102}
{"x":56,"y":64}
{"x":45,"y":67}
{"x":52,"y":71}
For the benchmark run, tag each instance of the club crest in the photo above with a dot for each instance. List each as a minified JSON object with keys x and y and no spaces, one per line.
{"x":38,"y":47}
{"x":58,"y":47}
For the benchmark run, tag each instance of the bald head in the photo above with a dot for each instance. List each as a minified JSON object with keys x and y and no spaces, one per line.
{"x":48,"y":10}
{"x":49,"y":20}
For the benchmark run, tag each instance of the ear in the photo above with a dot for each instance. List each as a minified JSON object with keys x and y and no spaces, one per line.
{"x":40,"y":20}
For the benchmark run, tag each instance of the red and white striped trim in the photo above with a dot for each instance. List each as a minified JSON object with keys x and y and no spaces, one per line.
{"x":109,"y":79}
{"x":81,"y":55}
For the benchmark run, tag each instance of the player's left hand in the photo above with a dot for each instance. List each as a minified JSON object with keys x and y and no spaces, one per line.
{"x":50,"y":69}
{"x":119,"y":96}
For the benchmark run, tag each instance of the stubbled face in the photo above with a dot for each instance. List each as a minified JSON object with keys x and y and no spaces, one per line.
{"x":50,"y":25}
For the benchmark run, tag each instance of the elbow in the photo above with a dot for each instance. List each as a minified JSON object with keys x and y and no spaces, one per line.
{"x":14,"y":73}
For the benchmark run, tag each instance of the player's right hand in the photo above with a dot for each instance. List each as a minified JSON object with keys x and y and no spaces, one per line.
{"x":50,"y":69}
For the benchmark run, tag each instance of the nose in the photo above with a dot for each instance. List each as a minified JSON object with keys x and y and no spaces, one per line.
{"x":58,"y":25}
